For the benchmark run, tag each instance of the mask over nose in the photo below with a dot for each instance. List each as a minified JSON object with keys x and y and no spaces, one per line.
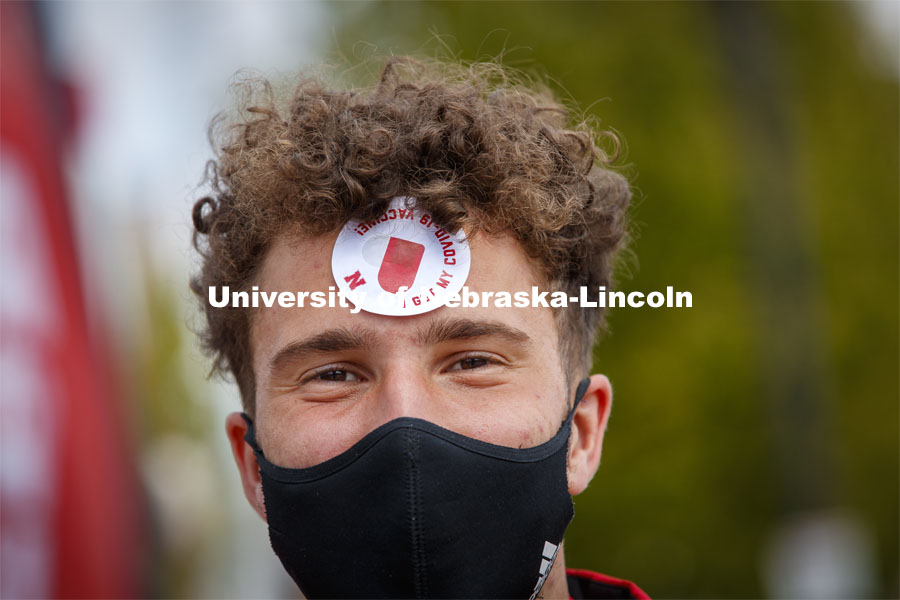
{"x":414,"y":510}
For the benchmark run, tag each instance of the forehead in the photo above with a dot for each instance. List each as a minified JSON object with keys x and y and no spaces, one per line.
{"x":303,"y":264}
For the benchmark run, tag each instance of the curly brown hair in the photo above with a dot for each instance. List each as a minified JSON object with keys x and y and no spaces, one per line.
{"x":476,"y":148}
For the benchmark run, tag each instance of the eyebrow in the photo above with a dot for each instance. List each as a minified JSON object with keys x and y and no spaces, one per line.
{"x":446,"y":330}
{"x":331,"y":340}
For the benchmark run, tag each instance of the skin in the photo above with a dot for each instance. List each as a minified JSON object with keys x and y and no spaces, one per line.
{"x":489,"y":373}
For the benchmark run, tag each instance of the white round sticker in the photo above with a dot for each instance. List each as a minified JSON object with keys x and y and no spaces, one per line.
{"x":400,"y":264}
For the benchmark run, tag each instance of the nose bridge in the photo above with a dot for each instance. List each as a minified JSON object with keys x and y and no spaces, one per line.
{"x":402,"y":391}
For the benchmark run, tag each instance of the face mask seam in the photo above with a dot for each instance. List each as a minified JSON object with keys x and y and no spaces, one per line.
{"x":420,"y":522}
{"x":415,"y":514}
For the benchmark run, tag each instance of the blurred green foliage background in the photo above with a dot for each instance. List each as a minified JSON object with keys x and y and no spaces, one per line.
{"x":762,"y":144}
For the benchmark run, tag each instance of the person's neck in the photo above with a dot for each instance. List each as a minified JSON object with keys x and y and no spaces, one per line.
{"x":555,"y":587}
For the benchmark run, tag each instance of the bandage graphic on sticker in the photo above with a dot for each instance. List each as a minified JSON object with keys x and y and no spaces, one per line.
{"x":400,"y":264}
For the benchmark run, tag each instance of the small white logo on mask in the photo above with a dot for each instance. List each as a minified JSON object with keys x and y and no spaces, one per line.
{"x":547,"y":559}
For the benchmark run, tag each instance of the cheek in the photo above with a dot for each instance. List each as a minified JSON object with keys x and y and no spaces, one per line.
{"x":534,"y":434}
{"x":526,"y":429}
{"x":533,"y":437}
{"x":300,"y":450}
{"x":543,"y":431}
{"x":299,"y":441}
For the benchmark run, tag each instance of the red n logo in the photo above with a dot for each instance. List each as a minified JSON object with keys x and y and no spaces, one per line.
{"x":355,"y":280}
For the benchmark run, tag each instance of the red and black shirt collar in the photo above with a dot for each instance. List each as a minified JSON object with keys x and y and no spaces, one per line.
{"x":588,"y":584}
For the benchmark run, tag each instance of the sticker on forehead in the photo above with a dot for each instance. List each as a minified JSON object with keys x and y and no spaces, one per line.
{"x":401,"y":263}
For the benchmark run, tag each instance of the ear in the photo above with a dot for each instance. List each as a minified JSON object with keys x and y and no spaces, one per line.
{"x":586,"y":439}
{"x":245,"y":458}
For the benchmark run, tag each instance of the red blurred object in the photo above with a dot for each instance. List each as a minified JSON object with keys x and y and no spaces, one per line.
{"x":71,"y":516}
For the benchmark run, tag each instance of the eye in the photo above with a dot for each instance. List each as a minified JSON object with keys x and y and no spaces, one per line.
{"x":337,"y":375}
{"x":470,"y":363}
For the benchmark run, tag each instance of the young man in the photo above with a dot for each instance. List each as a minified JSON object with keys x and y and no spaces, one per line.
{"x":400,"y":444}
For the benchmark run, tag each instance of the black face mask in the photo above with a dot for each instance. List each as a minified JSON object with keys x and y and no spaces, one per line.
{"x":414,"y":510}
